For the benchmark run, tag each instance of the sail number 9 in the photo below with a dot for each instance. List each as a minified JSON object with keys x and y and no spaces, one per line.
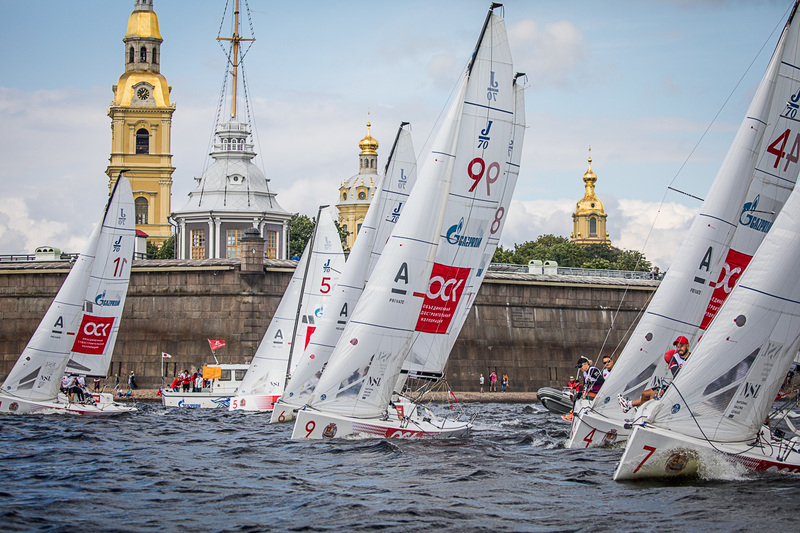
{"x":778,"y":147}
{"x":477,"y":176}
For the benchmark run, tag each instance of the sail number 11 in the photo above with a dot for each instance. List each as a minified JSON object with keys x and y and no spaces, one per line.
{"x":778,"y":149}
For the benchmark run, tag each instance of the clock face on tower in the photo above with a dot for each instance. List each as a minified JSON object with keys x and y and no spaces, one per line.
{"x":143,"y":93}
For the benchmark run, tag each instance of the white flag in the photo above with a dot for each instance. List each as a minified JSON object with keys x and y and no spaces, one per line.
{"x":165,"y":355}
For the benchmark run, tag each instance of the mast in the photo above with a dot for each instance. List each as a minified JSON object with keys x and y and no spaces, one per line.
{"x":494,"y":6}
{"x":302,"y":292}
{"x":235,"y":39}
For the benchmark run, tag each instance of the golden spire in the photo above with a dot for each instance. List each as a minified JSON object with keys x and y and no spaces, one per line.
{"x":368,"y":144}
{"x":236,"y":39}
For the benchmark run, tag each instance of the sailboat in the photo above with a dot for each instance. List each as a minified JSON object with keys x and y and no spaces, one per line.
{"x":420,"y":282}
{"x":754,"y":181}
{"x":383,"y":214}
{"x":296,"y":318}
{"x":82,"y":323}
{"x":714,"y":410}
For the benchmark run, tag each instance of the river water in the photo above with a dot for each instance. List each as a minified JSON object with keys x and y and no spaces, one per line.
{"x":204,"y":470}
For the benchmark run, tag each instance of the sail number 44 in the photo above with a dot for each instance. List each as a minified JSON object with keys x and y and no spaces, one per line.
{"x":778,"y":149}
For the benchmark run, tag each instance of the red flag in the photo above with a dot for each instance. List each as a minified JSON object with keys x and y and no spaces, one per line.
{"x":215,"y":344}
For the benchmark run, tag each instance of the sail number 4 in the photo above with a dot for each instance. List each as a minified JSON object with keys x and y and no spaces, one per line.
{"x":778,"y":149}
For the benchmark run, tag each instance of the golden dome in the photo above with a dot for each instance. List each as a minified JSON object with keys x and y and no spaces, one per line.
{"x":590,"y":203}
{"x":143,"y":24}
{"x":368,"y":144}
{"x":590,"y":176}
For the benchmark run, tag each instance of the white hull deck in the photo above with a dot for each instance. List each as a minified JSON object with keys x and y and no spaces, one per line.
{"x":12,"y":405}
{"x":660,"y":453}
{"x":255,"y":402}
{"x":590,"y":429}
{"x":312,"y":424}
{"x":196,"y":400}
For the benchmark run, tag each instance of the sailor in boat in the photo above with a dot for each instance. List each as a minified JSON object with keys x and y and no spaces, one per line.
{"x":592,"y":377}
{"x":608,"y":364}
{"x":675,"y":360}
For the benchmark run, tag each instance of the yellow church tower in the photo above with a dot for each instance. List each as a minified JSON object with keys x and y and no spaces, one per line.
{"x":589,"y":218}
{"x":141,"y":123}
{"x":355,"y":194}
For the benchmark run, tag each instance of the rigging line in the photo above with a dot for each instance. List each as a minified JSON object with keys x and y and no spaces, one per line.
{"x":680,"y":169}
{"x":256,"y":138}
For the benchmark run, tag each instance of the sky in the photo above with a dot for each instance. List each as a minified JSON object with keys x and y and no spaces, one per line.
{"x":657,"y":88}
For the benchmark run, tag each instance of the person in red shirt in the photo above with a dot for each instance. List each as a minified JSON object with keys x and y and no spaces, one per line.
{"x":176,"y":384}
{"x":675,"y":360}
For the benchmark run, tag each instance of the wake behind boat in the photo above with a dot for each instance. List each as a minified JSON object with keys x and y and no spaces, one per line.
{"x":82,"y":322}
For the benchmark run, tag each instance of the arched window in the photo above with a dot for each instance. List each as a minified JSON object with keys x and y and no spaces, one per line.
{"x":131,"y":55}
{"x":155,"y":55}
{"x":141,"y":210}
{"x":344,"y":195}
{"x":143,"y":55}
{"x":362,"y":195}
{"x":593,"y":227}
{"x":142,"y":141}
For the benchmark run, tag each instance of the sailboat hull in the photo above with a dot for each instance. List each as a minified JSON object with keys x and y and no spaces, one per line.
{"x":283,"y":412}
{"x":654,"y":452}
{"x":12,"y":405}
{"x":316,"y":425}
{"x":554,"y":400}
{"x":590,"y":429}
{"x":255,"y":402}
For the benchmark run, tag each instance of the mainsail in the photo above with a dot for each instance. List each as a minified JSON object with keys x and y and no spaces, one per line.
{"x":320,"y":266}
{"x":382,"y":216}
{"x":81,"y":325}
{"x":419,"y":280}
{"x":750,"y":189}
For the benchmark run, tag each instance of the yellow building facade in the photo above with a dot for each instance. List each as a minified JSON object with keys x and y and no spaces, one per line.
{"x":141,"y":125}
{"x":355,"y":194}
{"x":589,"y":218}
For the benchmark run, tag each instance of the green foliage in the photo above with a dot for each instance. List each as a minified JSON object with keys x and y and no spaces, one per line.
{"x":343,"y":233}
{"x":570,"y":254}
{"x":300,"y":229}
{"x":165,"y":251}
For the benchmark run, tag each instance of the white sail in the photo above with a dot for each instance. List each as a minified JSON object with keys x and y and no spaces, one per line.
{"x":382,"y":216}
{"x":760,"y":171}
{"x":82,"y":323}
{"x":726,"y":388}
{"x":418,"y":282}
{"x":429,"y":352}
{"x":267,"y":372}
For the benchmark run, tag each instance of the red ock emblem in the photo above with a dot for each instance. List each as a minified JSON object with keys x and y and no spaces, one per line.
{"x":441,"y":298}
{"x":93,"y":334}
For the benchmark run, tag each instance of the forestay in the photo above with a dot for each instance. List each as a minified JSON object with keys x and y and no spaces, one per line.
{"x":82,"y":323}
{"x":752,"y":185}
{"x":382,"y":216}
{"x":418,"y":283}
{"x":267,"y":372}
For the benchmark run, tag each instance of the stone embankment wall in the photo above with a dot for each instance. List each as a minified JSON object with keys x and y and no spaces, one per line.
{"x":531,"y":327}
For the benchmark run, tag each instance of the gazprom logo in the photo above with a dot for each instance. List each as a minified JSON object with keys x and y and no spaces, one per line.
{"x":750,"y":220}
{"x":454,"y":236}
{"x":111,"y":301}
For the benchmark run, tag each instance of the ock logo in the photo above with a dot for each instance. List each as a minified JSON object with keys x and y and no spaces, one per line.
{"x":93,"y":334}
{"x":441,"y":298}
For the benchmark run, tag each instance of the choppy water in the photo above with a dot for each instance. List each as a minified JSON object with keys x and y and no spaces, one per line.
{"x":203,"y":470}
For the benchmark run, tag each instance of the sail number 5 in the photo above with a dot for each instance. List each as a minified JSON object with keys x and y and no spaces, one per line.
{"x":778,"y":147}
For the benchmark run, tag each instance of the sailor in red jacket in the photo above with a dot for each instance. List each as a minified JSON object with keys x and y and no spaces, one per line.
{"x":675,"y":360}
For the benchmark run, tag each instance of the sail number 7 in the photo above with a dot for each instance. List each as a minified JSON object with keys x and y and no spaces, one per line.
{"x":778,"y":149}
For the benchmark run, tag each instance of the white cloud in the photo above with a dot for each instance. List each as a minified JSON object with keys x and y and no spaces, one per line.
{"x":553,"y":55}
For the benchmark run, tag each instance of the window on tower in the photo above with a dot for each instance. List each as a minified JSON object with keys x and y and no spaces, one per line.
{"x":131,"y":55}
{"x":234,"y":243}
{"x":143,"y":54}
{"x":198,"y":244}
{"x":592,"y":227}
{"x":142,"y":141}
{"x":141,"y":210}
{"x":271,"y":250}
{"x":155,"y":55}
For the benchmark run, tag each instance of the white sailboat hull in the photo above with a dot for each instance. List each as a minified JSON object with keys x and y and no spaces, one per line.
{"x":283,"y":412}
{"x":654,"y":452}
{"x":591,"y":429}
{"x":13,"y":405}
{"x":263,"y":403}
{"x":315,"y":425}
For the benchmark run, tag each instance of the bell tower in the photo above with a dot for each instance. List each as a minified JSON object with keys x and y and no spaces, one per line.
{"x":589,"y":218}
{"x":141,"y":124}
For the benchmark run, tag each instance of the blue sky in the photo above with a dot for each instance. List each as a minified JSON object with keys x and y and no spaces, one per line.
{"x":639,"y":81}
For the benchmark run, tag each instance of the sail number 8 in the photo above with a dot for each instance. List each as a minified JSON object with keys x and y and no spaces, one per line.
{"x":494,"y":168}
{"x":778,"y":147}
